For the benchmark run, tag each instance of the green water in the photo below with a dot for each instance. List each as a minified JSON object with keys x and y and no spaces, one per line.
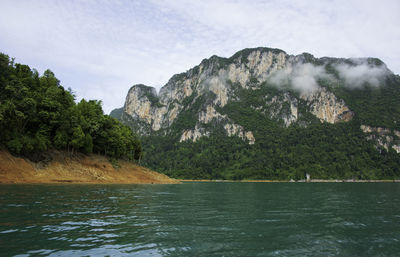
{"x":201,"y":219}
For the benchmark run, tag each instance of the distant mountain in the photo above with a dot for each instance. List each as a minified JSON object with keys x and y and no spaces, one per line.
{"x":117,"y":113}
{"x":264,"y":114}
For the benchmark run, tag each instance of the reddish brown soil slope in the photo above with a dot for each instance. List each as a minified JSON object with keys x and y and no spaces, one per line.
{"x":62,"y":168}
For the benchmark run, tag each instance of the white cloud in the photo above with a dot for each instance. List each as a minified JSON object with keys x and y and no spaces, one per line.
{"x":101,"y":48}
{"x":302,"y":77}
{"x":357,"y":75}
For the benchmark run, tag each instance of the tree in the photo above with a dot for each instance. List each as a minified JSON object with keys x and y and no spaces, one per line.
{"x":37,"y":114}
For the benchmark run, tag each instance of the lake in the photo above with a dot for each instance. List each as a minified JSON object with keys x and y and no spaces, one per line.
{"x":201,"y":219}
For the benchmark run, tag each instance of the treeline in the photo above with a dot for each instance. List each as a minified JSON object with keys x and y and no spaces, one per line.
{"x":38,"y":114}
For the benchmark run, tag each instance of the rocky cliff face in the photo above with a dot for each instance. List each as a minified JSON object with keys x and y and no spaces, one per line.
{"x":142,"y":104}
{"x":205,"y":90}
{"x":326,"y":106}
{"x":383,"y":137}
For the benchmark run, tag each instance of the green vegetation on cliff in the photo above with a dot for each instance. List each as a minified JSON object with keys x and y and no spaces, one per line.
{"x":38,"y":114}
{"x":326,"y":151}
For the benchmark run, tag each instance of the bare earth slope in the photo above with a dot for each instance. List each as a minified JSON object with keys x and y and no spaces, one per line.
{"x":92,"y":169}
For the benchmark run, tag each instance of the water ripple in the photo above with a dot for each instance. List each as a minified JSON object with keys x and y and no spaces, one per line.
{"x":201,"y":219}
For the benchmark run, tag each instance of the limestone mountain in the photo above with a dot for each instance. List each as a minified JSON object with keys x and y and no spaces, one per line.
{"x":243,"y":108}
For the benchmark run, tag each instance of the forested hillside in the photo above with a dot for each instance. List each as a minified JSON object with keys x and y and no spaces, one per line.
{"x":37,"y":114}
{"x":325,"y":151}
{"x":264,"y":114}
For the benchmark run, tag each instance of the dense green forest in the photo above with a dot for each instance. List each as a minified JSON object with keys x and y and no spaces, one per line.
{"x":37,"y":114}
{"x":323,"y":150}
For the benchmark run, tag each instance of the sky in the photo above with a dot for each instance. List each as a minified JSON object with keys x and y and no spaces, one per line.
{"x":101,"y":48}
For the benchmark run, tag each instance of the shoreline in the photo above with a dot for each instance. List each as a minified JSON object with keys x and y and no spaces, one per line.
{"x":299,"y":181}
{"x":97,"y":170}
{"x":64,"y":169}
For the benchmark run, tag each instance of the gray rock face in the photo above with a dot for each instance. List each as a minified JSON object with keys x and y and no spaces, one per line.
{"x":142,"y":104}
{"x":383,"y":137}
{"x":215,"y":80}
{"x":326,"y":106}
{"x":277,"y":110}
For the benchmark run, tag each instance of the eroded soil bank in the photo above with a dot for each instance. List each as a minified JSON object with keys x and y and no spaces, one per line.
{"x":62,"y":168}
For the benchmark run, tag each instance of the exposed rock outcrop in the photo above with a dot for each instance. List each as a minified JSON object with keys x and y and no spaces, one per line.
{"x":383,"y":137}
{"x":142,"y":103}
{"x":193,"y":134}
{"x":284,"y":107}
{"x":326,"y":106}
{"x":237,"y":130}
{"x":210,"y":114}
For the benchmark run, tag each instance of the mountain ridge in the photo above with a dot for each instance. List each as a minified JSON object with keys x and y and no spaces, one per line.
{"x":215,"y":64}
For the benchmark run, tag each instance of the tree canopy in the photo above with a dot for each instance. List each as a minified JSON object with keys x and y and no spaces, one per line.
{"x":38,"y":114}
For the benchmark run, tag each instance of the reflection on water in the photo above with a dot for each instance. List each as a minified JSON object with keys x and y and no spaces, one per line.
{"x":201,"y":219}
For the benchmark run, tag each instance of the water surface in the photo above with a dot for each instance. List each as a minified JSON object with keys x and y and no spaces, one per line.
{"x":201,"y":219}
